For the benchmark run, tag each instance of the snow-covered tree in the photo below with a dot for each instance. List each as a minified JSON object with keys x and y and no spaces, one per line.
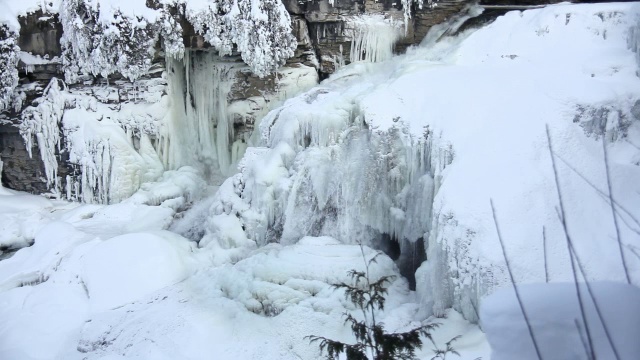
{"x":260,"y":29}
{"x":104,"y":45}
{"x":101,"y":42}
{"x":8,"y":63}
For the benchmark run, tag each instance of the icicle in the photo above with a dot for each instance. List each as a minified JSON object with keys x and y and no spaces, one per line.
{"x":42,"y":121}
{"x":199,"y":130}
{"x":373,"y":38}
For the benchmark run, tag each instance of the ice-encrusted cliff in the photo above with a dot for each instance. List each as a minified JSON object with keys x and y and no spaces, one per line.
{"x":413,"y":149}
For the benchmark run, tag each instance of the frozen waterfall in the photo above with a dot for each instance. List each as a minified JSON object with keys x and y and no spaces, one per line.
{"x":199,"y":130}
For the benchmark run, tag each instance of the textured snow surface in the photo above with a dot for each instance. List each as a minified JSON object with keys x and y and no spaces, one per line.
{"x":557,"y":324}
{"x":84,"y":291}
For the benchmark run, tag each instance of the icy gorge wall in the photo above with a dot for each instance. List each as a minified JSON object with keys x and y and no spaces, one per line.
{"x":117,"y":62}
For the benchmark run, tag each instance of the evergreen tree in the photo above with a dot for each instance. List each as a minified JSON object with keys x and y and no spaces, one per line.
{"x":373,"y":342}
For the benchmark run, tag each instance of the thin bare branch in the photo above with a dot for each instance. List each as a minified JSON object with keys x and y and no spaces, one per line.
{"x":544,"y":249}
{"x":613,"y":212}
{"x":595,"y":302}
{"x":584,"y":343}
{"x":563,"y":221}
{"x":604,"y":196}
{"x":513,"y":282}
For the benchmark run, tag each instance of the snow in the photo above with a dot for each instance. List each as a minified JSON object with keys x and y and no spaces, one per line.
{"x":410,"y":149}
{"x":415,"y":148}
{"x":82,"y":291}
{"x":28,"y":61}
{"x":554,"y":311}
{"x":125,"y":268}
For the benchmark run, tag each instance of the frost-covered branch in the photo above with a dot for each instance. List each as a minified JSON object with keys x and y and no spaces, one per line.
{"x":103,"y":38}
{"x":105,"y":42}
{"x":260,"y":29}
{"x":8,"y":63}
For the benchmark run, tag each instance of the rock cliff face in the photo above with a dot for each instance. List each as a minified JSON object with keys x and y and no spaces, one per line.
{"x":329,"y":33}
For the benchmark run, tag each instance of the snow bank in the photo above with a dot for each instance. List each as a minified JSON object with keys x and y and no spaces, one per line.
{"x":128,"y":267}
{"x":21,"y":216}
{"x":557,"y":324}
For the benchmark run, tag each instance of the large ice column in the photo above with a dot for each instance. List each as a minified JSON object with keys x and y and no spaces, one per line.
{"x":373,"y":37}
{"x":199,"y":129}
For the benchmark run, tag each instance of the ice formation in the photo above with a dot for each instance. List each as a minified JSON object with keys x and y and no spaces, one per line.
{"x":375,"y":153}
{"x":199,"y":129}
{"x":41,"y":122}
{"x":111,"y":148}
{"x":373,"y":37}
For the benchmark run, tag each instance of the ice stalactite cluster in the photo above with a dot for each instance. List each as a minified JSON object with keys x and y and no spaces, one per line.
{"x":373,"y":37}
{"x":199,"y":131}
{"x":110,"y":149}
{"x":41,"y":123}
{"x":8,"y":63}
{"x":326,"y":172}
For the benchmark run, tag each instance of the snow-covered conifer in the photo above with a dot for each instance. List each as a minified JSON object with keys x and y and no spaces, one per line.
{"x":8,"y":63}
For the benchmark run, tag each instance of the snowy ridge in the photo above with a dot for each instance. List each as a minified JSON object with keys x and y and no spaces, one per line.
{"x":359,"y":157}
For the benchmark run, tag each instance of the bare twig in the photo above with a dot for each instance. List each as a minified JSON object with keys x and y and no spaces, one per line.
{"x":595,"y":302}
{"x":613,"y":212}
{"x":584,"y":343}
{"x":605,"y":197}
{"x":544,"y":249}
{"x":513,"y":282}
{"x":563,"y":221}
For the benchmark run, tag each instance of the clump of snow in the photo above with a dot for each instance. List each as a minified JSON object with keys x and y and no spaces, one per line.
{"x":30,"y":61}
{"x":102,"y":38}
{"x":557,"y":324}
